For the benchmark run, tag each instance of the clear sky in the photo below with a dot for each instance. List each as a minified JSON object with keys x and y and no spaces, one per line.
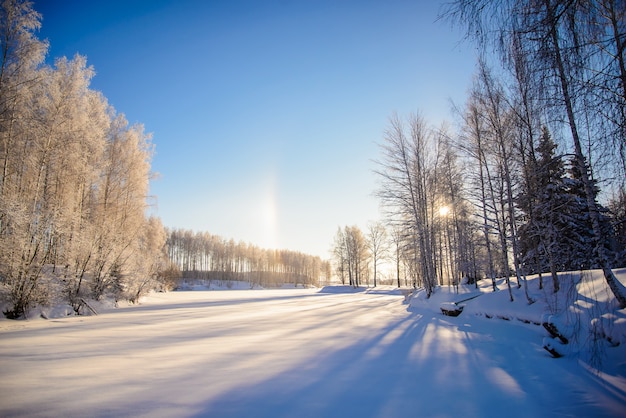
{"x":266,"y":115}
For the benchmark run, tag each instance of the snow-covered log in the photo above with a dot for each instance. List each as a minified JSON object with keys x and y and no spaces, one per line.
{"x":552,"y":348}
{"x":450,"y":309}
{"x":550,"y":326}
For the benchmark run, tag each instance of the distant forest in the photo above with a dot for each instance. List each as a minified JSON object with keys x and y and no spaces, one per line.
{"x":200,"y":255}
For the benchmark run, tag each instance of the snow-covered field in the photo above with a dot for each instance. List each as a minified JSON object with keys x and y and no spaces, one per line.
{"x":302,"y":353}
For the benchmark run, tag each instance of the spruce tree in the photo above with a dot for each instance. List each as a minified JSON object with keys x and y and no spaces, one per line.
{"x":559,"y":235}
{"x":549,"y":211}
{"x":582,"y":252}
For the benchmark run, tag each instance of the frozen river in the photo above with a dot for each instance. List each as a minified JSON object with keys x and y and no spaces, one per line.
{"x":214,"y":353}
{"x":283,"y":353}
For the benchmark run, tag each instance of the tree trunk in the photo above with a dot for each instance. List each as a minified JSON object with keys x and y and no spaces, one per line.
{"x":619,"y":291}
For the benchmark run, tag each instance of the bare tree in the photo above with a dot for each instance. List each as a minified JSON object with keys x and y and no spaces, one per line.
{"x":482,"y":135}
{"x":201,"y":255}
{"x":472,"y":141}
{"x":454,"y":216}
{"x":408,"y":173}
{"x":499,"y":118}
{"x":398,"y":239}
{"x":339,"y":255}
{"x":555,"y":35}
{"x":376,"y":242}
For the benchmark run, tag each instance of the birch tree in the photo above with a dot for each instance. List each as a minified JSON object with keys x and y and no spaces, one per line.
{"x":407,"y":172}
{"x":21,"y":255}
{"x":555,"y":35}
{"x":73,"y":179}
{"x":472,"y":142}
{"x":376,"y":242}
{"x":397,"y":240}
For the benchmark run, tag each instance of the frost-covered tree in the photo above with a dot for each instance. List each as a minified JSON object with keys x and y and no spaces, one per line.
{"x":580,"y":234}
{"x":340,"y":256}
{"x":356,"y":255}
{"x":397,"y":241}
{"x":74,"y":177}
{"x":201,"y":255}
{"x":559,"y":235}
{"x":350,"y":255}
{"x":120,"y":213}
{"x":617,"y":209}
{"x":147,"y":261}
{"x":22,"y":244}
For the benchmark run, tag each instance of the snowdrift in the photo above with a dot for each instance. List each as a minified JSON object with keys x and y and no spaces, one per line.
{"x":582,"y":318}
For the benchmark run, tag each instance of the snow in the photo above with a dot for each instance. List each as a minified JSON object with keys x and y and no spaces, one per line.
{"x":331,"y":352}
{"x":216,"y":285}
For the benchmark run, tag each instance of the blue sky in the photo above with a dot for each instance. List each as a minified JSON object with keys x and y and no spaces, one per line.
{"x":266,"y":115}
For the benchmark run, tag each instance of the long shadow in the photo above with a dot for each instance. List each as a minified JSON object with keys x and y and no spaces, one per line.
{"x":210,"y":302}
{"x":353,"y":381}
{"x":423,"y":365}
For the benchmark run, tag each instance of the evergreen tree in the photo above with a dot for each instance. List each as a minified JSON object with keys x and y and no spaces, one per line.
{"x":582,"y":251}
{"x":541,"y":236}
{"x":559,"y":236}
{"x":617,"y":209}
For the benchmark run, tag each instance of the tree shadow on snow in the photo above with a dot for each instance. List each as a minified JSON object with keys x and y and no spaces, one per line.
{"x":423,"y":365}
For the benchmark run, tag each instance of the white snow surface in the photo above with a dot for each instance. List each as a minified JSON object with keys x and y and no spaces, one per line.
{"x":334,"y":352}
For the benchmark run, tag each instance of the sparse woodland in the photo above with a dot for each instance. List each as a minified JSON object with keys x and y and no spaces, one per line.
{"x":541,"y":138}
{"x":564,"y":64}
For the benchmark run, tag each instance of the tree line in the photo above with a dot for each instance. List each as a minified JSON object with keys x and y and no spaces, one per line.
{"x":515,"y":190}
{"x":74,"y":179}
{"x":200,"y":255}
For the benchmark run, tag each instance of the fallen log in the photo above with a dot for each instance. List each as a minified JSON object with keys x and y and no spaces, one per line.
{"x":450,"y":309}
{"x":554,"y":331}
{"x":550,"y":347}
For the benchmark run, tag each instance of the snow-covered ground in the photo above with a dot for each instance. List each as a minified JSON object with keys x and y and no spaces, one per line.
{"x":307,"y":353}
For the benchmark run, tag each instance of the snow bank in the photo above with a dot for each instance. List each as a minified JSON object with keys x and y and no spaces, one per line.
{"x":584,"y":311}
{"x":442,"y":296}
{"x":201,"y":285}
{"x":336,"y":289}
{"x":378,"y":290}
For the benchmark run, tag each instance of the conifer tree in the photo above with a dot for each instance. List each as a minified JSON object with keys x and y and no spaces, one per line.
{"x":560,"y":232}
{"x":617,"y":209}
{"x":547,"y":200}
{"x":579,"y":235}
